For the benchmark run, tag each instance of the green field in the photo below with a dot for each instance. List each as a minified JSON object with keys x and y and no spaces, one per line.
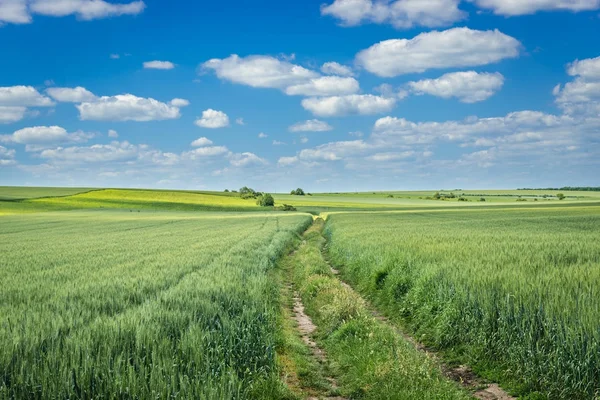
{"x":513,"y":292}
{"x":111,"y":293}
{"x":128,"y":306}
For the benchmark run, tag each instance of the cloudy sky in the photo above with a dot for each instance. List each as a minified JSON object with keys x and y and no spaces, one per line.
{"x":327,"y":95}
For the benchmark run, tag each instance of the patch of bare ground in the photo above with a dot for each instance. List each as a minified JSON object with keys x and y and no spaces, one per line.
{"x":462,"y":374}
{"x":306,"y":328}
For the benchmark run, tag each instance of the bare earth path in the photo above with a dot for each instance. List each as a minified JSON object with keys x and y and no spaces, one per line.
{"x":306,"y":328}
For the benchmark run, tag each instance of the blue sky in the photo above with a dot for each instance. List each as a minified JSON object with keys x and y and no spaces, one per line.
{"x":327,"y":95}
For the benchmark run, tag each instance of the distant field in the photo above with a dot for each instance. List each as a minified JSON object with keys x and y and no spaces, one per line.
{"x":110,"y":304}
{"x":18,"y":193}
{"x":125,"y":199}
{"x":514,"y":292}
{"x":15,"y":200}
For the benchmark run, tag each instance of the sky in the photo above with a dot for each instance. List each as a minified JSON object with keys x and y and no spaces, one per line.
{"x":344,"y":95}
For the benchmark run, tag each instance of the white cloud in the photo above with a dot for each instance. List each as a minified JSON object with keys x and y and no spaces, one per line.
{"x":582,"y":95}
{"x":201,"y":142}
{"x":325,"y":86}
{"x":115,"y":151}
{"x":71,"y":95}
{"x":391,"y":156}
{"x":260,"y":71}
{"x":8,"y":115}
{"x":303,"y":140}
{"x":85,"y":9}
{"x":7,"y":156}
{"x":126,"y":107}
{"x":14,"y":11}
{"x":362,"y":104}
{"x":202,"y":152}
{"x":402,"y":14}
{"x":523,"y":7}
{"x":23,"y":96}
{"x":287,"y":161}
{"x":468,"y":87}
{"x":179,"y":103}
{"x":262,"y":135}
{"x":246,"y":159}
{"x":213,"y":119}
{"x":240,"y":121}
{"x":333,"y":68}
{"x":356,"y":134}
{"x":312,"y":125}
{"x":112,"y":133}
{"x":457,"y":47}
{"x":115,"y":56}
{"x":159,"y":65}
{"x":588,"y":69}
{"x":40,"y":137}
{"x":278,"y":143}
{"x":334,"y":151}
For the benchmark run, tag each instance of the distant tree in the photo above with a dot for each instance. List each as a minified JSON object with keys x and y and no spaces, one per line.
{"x":482,"y":199}
{"x":248,"y":193}
{"x":560,"y":196}
{"x":437,"y":196}
{"x":266,"y":200}
{"x":226,"y":190}
{"x":297,"y":192}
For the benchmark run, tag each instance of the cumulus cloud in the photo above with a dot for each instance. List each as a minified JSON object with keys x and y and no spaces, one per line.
{"x":71,"y":95}
{"x":115,"y":151}
{"x":287,"y":161}
{"x":21,"y":11}
{"x":468,"y":87}
{"x":269,"y":72}
{"x":179,"y":103}
{"x":85,"y":9}
{"x":126,"y":107}
{"x":159,"y":65}
{"x":8,"y":115}
{"x":582,"y":95}
{"x":325,"y":86}
{"x":361,"y":104}
{"x":14,"y":12}
{"x":213,"y":119}
{"x":246,"y":159}
{"x":39,"y":137}
{"x":333,"y":68}
{"x":260,"y":71}
{"x":7,"y":156}
{"x":521,"y":7}
{"x":402,"y":14}
{"x":312,"y":125}
{"x":457,"y":47}
{"x":23,"y":96}
{"x":201,"y":142}
{"x":208,"y":151}
{"x":588,"y":69}
{"x":112,"y":133}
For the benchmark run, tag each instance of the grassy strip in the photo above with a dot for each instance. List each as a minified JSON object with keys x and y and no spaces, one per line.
{"x":300,"y":372}
{"x":369,"y":359}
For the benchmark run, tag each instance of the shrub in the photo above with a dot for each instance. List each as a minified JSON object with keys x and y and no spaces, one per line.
{"x":286,"y":207}
{"x":248,"y":193}
{"x":297,"y":192}
{"x":226,"y":190}
{"x":462,"y":199}
{"x":266,"y":200}
{"x":560,"y":196}
{"x":482,"y":199}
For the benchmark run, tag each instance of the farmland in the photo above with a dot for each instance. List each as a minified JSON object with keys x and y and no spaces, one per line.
{"x":512,"y":292}
{"x":128,"y":306}
{"x":111,"y":293}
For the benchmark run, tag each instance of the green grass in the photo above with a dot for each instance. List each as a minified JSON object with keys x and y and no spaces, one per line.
{"x":512,"y":292}
{"x":24,"y":192}
{"x":126,"y":305}
{"x":369,"y":359}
